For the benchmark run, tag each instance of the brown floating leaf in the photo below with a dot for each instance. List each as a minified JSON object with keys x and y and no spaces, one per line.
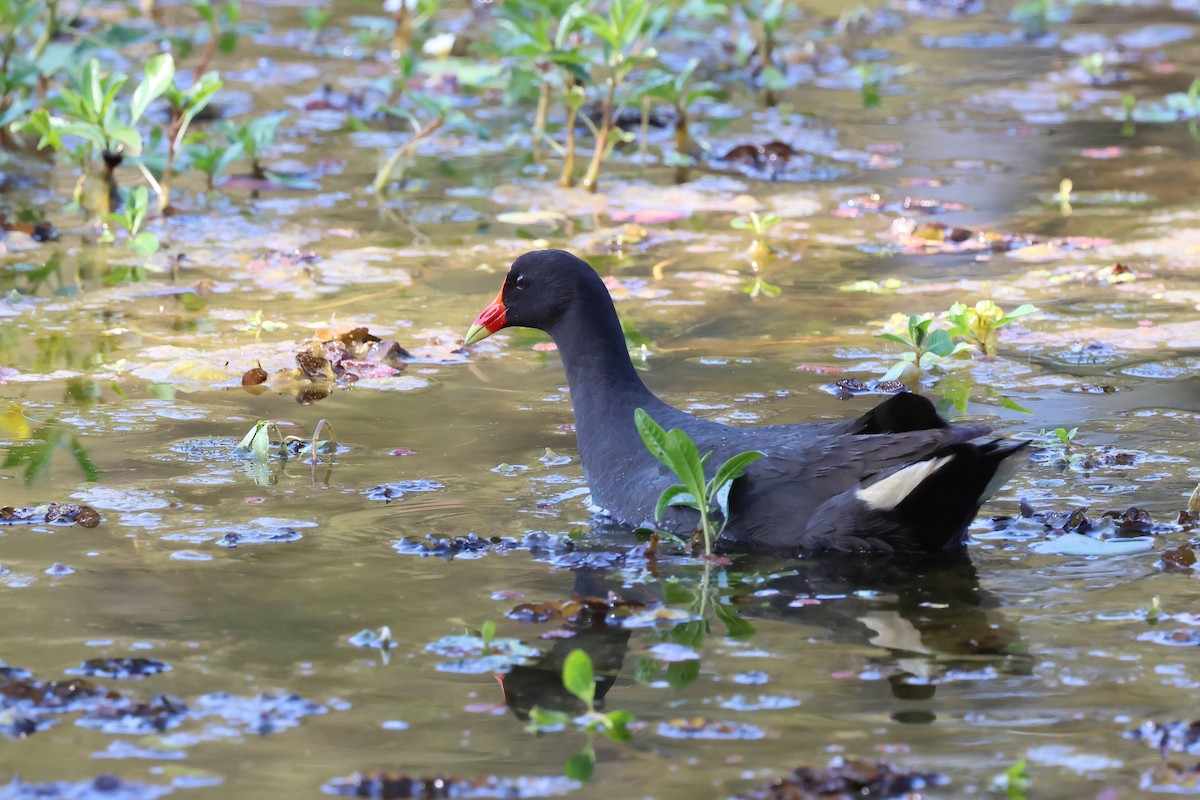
{"x":255,"y":376}
{"x":357,"y":336}
{"x":847,"y":780}
{"x":1181,"y":559}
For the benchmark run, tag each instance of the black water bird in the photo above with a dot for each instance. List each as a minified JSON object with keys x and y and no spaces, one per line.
{"x":899,"y":478}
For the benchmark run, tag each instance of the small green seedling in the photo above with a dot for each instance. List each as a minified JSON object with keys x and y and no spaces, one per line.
{"x":255,"y":138}
{"x":925,"y":348}
{"x":978,"y":324}
{"x":1064,"y":196}
{"x":316,"y":18}
{"x":487,"y":634}
{"x":1015,"y":781}
{"x":870,"y":77}
{"x":1093,"y":65}
{"x":258,"y":323}
{"x":135,"y":206}
{"x":185,"y":104}
{"x":676,"y":450}
{"x":754,"y":222}
{"x":212,"y":157}
{"x":758,"y":287}
{"x":579,"y":679}
{"x":1065,"y":436}
{"x":1154,"y":611}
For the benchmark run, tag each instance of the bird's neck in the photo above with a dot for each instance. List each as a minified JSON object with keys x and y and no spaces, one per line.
{"x":605,"y":388}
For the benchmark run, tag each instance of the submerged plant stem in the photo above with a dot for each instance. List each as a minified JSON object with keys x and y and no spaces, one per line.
{"x":539,"y":118}
{"x":591,"y":178}
{"x":385,"y":172}
{"x":567,"y":179}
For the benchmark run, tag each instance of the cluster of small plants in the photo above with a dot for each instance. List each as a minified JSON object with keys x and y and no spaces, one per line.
{"x":970,"y":331}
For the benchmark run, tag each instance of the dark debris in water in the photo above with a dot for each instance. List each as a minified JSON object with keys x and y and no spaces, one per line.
{"x":121,"y":668}
{"x":1133,"y":521}
{"x":125,"y":715}
{"x":474,"y":546}
{"x":579,"y":610}
{"x":387,"y":492}
{"x":264,"y":713}
{"x":848,"y":780}
{"x":704,"y":728}
{"x":53,"y":513}
{"x":1180,"y":736}
{"x":875,"y":204}
{"x":384,"y":786}
{"x":847,"y":388}
{"x":102,"y":787}
{"x":41,"y":231}
{"x":28,"y":705}
{"x":341,"y":359}
{"x":282,"y":533}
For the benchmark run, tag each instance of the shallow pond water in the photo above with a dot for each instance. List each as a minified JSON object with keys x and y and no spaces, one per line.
{"x":457,"y":498}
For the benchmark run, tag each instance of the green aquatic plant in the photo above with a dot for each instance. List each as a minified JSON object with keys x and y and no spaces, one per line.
{"x":578,"y":677}
{"x":221,"y":27}
{"x":759,"y":224}
{"x":316,"y":18}
{"x":135,"y":207}
{"x":679,"y":90}
{"x":212,"y":156}
{"x":184,"y":105}
{"x":760,"y":251}
{"x":979,"y":325}
{"x":870,"y":79}
{"x":547,"y":61}
{"x":766,"y":17}
{"x":624,"y":35}
{"x":1015,"y":781}
{"x":924,"y":348}
{"x":259,"y":439}
{"x":96,"y":128}
{"x":676,"y":450}
{"x":255,"y":138}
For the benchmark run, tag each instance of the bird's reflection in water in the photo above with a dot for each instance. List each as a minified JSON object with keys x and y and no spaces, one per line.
{"x":929,"y":618}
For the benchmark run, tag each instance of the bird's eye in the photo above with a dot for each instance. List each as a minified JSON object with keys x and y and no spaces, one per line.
{"x":519,"y":282}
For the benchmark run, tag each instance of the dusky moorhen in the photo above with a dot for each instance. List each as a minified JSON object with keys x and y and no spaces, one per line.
{"x":899,"y":478}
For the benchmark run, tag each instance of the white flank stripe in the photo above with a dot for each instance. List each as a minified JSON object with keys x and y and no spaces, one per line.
{"x":891,"y":491}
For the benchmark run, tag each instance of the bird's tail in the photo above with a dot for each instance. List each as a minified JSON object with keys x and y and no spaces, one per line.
{"x":932,"y":501}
